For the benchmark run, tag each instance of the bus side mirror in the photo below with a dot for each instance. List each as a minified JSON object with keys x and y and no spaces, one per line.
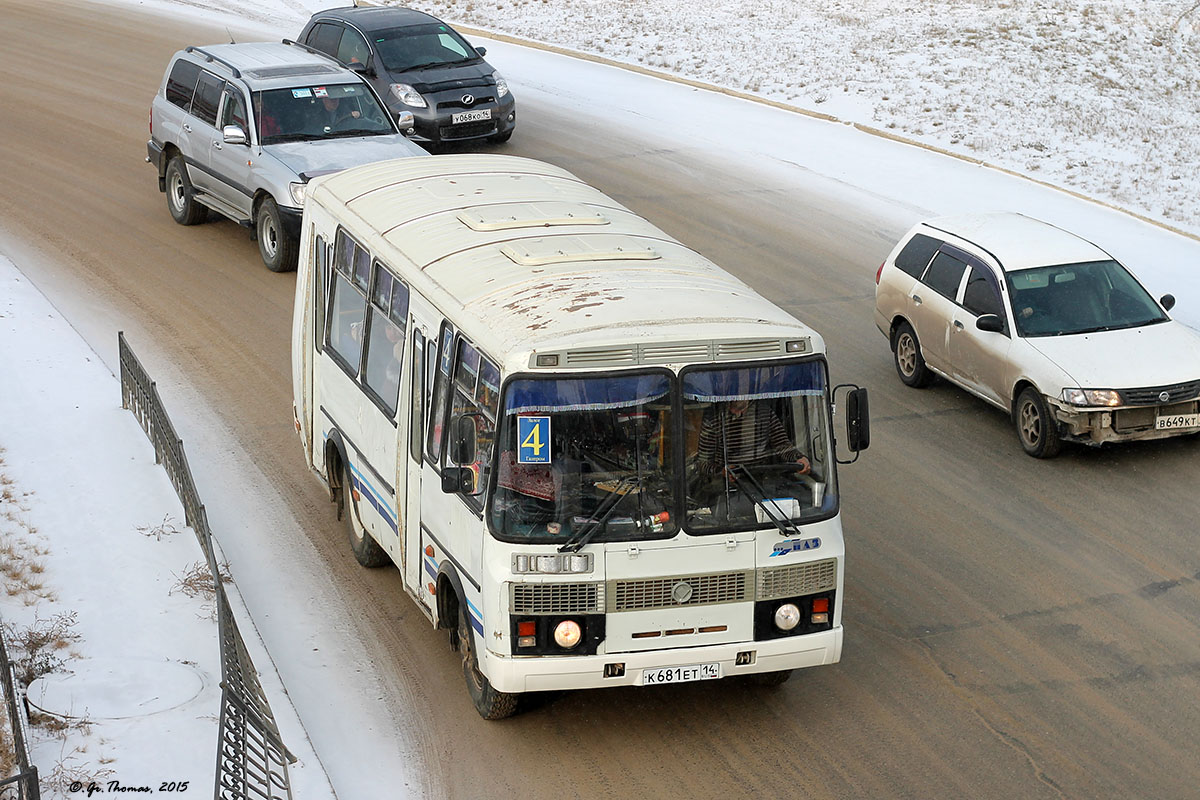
{"x":462,"y":440}
{"x":456,"y":480}
{"x":858,"y":420}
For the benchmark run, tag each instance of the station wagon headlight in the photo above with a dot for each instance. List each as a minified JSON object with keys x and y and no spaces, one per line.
{"x":298,"y":190}
{"x":501,"y":85}
{"x":1092,"y":397}
{"x":408,"y":95}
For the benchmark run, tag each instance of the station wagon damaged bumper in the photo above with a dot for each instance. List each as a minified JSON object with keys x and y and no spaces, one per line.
{"x":1097,"y":426}
{"x":543,"y":673}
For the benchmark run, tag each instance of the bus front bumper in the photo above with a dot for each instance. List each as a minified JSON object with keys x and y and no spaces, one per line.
{"x":543,"y":673}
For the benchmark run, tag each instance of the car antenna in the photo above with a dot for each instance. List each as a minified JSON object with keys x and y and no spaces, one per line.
{"x":231,"y":40}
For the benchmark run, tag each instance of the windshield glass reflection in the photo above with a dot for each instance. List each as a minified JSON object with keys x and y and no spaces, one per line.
{"x":1079,"y":298}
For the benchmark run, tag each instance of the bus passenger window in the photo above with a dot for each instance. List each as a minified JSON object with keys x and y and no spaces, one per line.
{"x":385,"y":347}
{"x":441,"y":388}
{"x":347,"y":304}
{"x":417,"y":409}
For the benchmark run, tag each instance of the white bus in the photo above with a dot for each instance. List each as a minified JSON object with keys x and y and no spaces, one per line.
{"x":595,"y":457}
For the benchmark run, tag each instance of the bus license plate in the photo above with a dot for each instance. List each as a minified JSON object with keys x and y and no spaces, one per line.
{"x":695,"y":672}
{"x":470,"y":116}
{"x":1173,"y":421}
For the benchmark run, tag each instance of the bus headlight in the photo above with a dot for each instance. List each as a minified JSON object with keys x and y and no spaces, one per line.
{"x":787,"y":617}
{"x":567,"y":633}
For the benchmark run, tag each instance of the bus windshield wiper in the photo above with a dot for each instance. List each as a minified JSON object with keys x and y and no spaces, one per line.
{"x":624,"y":488}
{"x":783,"y":522}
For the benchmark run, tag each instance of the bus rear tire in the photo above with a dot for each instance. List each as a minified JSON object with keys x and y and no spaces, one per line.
{"x":490,"y":704}
{"x":770,"y":679}
{"x":366,"y":550}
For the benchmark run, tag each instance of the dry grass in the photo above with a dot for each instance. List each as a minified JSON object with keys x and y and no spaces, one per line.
{"x":70,"y":770}
{"x":165,"y":529}
{"x":36,"y":650}
{"x":197,"y":580}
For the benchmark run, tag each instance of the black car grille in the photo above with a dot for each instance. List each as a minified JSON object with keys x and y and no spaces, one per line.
{"x":468,"y":130}
{"x":456,"y":103}
{"x":1151,"y":395}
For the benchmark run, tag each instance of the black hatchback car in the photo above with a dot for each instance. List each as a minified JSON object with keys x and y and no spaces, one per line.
{"x":420,"y":64}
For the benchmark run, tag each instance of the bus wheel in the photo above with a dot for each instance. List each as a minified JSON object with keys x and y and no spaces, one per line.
{"x":490,"y":703}
{"x":366,"y":550}
{"x":770,"y":679}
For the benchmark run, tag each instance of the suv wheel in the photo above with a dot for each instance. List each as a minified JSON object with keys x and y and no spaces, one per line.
{"x":278,"y":250}
{"x":180,"y":202}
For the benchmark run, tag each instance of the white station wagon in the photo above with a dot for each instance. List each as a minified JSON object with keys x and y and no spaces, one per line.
{"x":1042,"y":324}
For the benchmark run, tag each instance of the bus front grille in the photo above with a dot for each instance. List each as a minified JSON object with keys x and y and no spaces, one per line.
{"x":556,"y":598}
{"x":679,"y":590}
{"x":797,"y":580}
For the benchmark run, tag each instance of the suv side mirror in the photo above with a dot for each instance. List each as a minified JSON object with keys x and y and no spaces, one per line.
{"x":407,"y":122}
{"x":234,"y":134}
{"x":990,"y":322}
{"x":1168,"y":301}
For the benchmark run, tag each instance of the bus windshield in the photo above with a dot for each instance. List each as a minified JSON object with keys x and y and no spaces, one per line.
{"x":759,"y":445}
{"x":585,"y":457}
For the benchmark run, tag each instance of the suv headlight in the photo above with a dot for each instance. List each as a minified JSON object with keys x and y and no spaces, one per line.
{"x":501,"y":85}
{"x":408,"y":95}
{"x":298,"y":190}
{"x":1092,"y":397}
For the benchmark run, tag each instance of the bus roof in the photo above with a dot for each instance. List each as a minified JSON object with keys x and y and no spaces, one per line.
{"x":538,"y":261}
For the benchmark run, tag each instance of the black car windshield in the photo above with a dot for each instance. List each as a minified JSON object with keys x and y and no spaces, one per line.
{"x":306,"y":113}
{"x":1079,"y":298}
{"x":585,"y":458}
{"x":418,"y":46}
{"x":758,"y":439}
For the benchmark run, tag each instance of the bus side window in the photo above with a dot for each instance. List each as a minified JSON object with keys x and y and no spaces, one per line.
{"x":320,"y":292}
{"x":476,"y":393}
{"x":441,"y":394}
{"x":416,"y":433}
{"x":347,"y":303}
{"x":385,"y":337}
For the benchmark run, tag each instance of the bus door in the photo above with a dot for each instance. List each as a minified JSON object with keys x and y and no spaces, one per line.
{"x":418,"y":401}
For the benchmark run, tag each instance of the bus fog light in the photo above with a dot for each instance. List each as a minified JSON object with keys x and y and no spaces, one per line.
{"x":567,"y":634}
{"x":820,"y":610}
{"x":787,"y":616}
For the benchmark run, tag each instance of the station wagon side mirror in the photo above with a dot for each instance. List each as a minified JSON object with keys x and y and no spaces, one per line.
{"x":990,"y":322}
{"x":1168,"y":301}
{"x":234,"y":134}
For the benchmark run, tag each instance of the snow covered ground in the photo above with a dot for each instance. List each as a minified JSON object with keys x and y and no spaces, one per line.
{"x":994,"y":82}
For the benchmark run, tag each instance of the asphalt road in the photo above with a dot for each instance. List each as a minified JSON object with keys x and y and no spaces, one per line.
{"x":1014,"y":628}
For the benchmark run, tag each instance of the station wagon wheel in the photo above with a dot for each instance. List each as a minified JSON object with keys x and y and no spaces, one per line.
{"x":183,"y":207}
{"x":1036,"y":426}
{"x":910,"y":365}
{"x":490,"y":703}
{"x":278,"y":250}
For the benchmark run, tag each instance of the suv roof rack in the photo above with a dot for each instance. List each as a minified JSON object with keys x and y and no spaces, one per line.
{"x":237,"y":73}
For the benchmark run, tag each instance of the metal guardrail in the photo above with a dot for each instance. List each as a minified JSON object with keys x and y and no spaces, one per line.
{"x":23,"y":785}
{"x":251,"y":757}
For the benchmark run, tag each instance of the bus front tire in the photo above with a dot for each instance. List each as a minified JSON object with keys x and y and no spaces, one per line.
{"x":366,"y":550}
{"x":770,"y":679}
{"x":490,"y":704}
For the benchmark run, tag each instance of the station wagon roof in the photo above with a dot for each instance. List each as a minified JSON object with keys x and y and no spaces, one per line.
{"x":1019,"y":242}
{"x":273,"y":65}
{"x":534,"y":256}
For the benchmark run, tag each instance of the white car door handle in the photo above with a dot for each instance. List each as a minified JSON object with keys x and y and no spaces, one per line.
{"x":216,"y":145}
{"x":958,"y":325}
{"x":187,"y":127}
{"x":917,"y":299}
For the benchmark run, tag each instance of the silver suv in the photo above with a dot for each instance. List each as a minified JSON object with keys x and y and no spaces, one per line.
{"x":241,"y":128}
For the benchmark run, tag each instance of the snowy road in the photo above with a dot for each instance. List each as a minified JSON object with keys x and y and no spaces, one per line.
{"x":1014,"y":628}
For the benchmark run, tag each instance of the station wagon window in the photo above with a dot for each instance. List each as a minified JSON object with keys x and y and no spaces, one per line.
{"x":982,"y":295}
{"x":476,"y":393}
{"x":208,"y":96}
{"x":233,"y":112}
{"x":944,"y":274}
{"x":385,"y":345}
{"x":181,"y":85}
{"x":348,"y":301}
{"x":915,"y":255}
{"x":441,"y":390}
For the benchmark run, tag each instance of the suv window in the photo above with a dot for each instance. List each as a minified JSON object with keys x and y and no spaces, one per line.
{"x":982,"y":295}
{"x":234,"y":110}
{"x":916,"y":254}
{"x":944,"y":274}
{"x":208,"y":96}
{"x":325,"y":37}
{"x":182,"y":83}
